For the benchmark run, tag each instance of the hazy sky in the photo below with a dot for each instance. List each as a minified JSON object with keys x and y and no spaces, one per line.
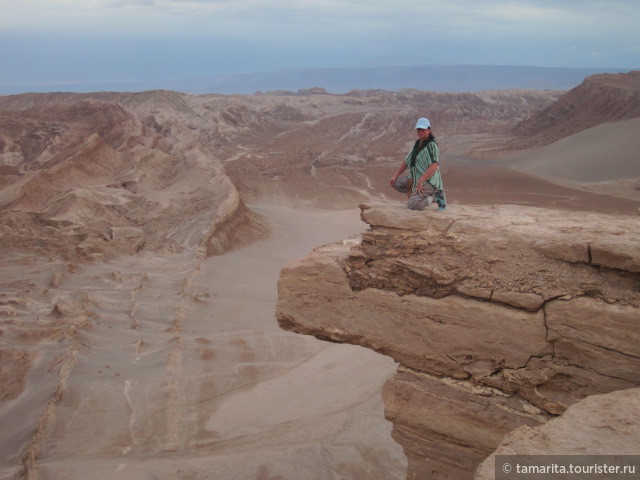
{"x":75,"y":41}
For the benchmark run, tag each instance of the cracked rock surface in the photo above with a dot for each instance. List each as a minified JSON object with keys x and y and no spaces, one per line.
{"x":499,"y":318}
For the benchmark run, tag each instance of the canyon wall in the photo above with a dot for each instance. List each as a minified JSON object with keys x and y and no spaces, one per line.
{"x":498,"y":317}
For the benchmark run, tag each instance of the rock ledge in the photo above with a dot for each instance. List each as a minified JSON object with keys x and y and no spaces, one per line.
{"x":499,"y":317}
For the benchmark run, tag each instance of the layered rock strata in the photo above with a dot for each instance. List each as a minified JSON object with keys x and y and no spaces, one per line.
{"x":499,"y":318}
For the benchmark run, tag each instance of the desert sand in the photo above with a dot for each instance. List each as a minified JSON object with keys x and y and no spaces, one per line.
{"x":142,"y":237}
{"x":603,"y":159}
{"x":237,"y":397}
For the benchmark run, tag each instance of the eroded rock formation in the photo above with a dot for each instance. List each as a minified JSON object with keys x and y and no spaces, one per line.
{"x":499,"y":317}
{"x":598,"y":425}
{"x":89,"y":179}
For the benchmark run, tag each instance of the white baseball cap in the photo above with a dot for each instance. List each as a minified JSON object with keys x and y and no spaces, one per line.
{"x":423,"y":123}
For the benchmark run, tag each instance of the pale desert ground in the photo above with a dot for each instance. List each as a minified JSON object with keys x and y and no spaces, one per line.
{"x":174,"y":367}
{"x":239,"y":398}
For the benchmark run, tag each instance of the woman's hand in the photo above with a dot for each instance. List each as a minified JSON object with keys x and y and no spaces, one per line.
{"x":393,"y":180}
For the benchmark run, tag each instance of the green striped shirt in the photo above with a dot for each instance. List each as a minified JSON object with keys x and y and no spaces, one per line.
{"x":426,"y":157}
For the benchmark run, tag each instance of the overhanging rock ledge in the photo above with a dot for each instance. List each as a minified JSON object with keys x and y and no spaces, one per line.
{"x":499,"y":317}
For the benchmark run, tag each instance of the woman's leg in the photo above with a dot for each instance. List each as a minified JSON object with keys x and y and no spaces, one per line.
{"x":402,"y":184}
{"x":420,"y":201}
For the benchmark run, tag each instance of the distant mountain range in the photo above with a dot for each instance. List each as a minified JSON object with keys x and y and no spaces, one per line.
{"x":440,"y":78}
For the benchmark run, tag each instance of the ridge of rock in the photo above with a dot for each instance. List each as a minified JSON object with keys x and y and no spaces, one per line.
{"x":598,"y":99}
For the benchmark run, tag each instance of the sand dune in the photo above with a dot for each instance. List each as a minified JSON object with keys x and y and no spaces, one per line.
{"x":596,"y":169}
{"x":604,"y":153}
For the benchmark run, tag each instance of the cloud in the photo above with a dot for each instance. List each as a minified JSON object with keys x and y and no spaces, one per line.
{"x":462,"y":17}
{"x":173,"y":37}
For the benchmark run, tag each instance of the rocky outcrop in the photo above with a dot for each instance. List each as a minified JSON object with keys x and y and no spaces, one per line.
{"x":598,"y":425}
{"x":499,"y":318}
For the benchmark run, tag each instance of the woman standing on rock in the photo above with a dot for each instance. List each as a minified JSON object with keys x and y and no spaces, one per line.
{"x":424,"y":182}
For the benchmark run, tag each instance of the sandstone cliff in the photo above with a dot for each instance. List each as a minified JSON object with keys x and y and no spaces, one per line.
{"x":499,"y":317}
